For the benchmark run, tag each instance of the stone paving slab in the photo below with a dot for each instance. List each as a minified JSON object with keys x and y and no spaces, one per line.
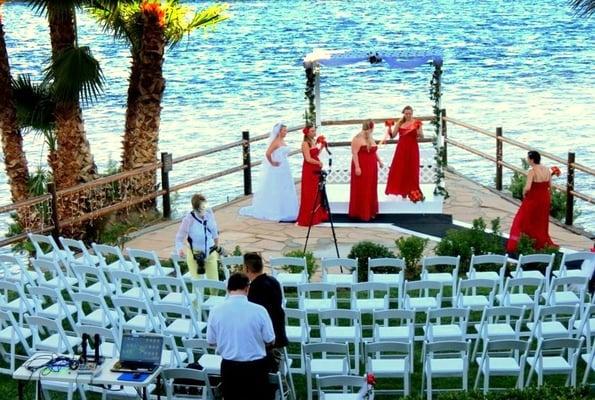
{"x":468,"y":200}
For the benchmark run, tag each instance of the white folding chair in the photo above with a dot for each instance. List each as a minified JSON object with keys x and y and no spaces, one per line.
{"x":195,"y":379}
{"x":578,"y":258}
{"x":567,"y":290}
{"x":76,"y":253}
{"x":153,"y":266}
{"x":49,"y":303}
{"x":230,"y":264}
{"x":367,"y":297}
{"x":471,"y":293}
{"x":589,"y":359}
{"x":554,"y":322}
{"x":178,"y":321}
{"x":134,"y":315}
{"x":585,"y":326}
{"x":445,"y":360}
{"x":130,"y":285}
{"x":289,"y":271}
{"x":50,"y":274}
{"x":340,"y":387}
{"x":422,"y":295}
{"x":488,"y":266}
{"x":199,"y":351}
{"x":387,"y":270}
{"x":111,"y":259}
{"x":92,"y":280}
{"x":521,"y":292}
{"x":532,"y":265}
{"x":390,"y":360}
{"x":177,"y":261}
{"x":297,"y":333}
{"x":13,"y":334}
{"x":446,"y":270}
{"x":209,"y":293}
{"x":341,"y":272}
{"x":93,"y":310}
{"x":14,"y":270}
{"x":446,"y":324}
{"x":502,"y":358}
{"x":13,"y":299}
{"x":47,"y":249}
{"x":342,"y":326}
{"x":333,"y":360}
{"x":395,"y":326}
{"x":170,"y":290}
{"x":566,"y":353}
{"x":316,"y":297}
{"x":499,"y":323}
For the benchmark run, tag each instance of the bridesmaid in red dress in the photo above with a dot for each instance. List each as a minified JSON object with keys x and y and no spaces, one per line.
{"x":363,"y":197}
{"x":403,"y":175}
{"x":532,"y":218}
{"x":310,"y":198}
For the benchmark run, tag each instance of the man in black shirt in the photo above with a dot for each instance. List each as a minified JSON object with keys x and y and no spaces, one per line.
{"x":266,"y":291}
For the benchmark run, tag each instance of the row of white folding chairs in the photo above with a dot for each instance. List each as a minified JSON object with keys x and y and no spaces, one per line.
{"x":452,"y":359}
{"x":423,"y":295}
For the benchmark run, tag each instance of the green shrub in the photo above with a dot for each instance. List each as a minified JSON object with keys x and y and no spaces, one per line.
{"x":361,"y":251}
{"x":465,"y":242}
{"x":411,"y":249}
{"x":236,"y":251}
{"x":310,"y":262}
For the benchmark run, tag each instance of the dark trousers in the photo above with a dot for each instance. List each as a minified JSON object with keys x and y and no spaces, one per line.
{"x":245,"y":380}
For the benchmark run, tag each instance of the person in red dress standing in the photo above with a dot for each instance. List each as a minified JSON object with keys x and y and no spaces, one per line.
{"x":363,"y":196}
{"x":403,"y":176}
{"x":533,"y":216}
{"x":310,"y":197}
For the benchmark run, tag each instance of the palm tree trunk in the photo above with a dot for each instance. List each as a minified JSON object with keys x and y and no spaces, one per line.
{"x":12,"y":142}
{"x":151,"y":85}
{"x":73,"y":154}
{"x":130,"y":143}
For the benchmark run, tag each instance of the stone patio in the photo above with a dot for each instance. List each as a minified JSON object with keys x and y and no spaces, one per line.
{"x":468,"y":200}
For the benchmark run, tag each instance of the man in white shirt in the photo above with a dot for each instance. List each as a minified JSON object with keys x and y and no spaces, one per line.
{"x":241,"y":331}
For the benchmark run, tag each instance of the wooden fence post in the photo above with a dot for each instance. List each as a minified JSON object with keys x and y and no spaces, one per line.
{"x":499,"y":158}
{"x":569,"y":189}
{"x":247,"y":163}
{"x":166,"y":167}
{"x":444,"y":137}
{"x":51,"y":187}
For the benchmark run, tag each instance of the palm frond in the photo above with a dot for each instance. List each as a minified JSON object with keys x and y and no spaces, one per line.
{"x":181,"y":20}
{"x":75,"y":74}
{"x":584,"y":8}
{"x":41,"y":6}
{"x":123,"y":21}
{"x":34,"y":103}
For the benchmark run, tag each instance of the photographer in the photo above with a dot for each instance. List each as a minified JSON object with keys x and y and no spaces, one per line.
{"x":198,"y":240}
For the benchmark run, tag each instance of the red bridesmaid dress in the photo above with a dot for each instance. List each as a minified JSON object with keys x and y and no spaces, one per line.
{"x":532,"y":218}
{"x":363,"y":197}
{"x":403,"y":176}
{"x":310,"y":199}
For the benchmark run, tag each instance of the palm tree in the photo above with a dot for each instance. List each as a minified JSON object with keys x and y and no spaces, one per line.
{"x":150,"y":27}
{"x":12,"y":141}
{"x":583,"y":7}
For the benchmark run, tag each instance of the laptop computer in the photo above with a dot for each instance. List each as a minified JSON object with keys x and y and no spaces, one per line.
{"x":139,"y":353}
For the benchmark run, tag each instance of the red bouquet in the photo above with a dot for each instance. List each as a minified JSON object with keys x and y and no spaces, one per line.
{"x":367,"y":390}
{"x":389,"y":123}
{"x":321,"y":139}
{"x":555,"y":171}
{"x":416,"y":195}
{"x":371,"y":379}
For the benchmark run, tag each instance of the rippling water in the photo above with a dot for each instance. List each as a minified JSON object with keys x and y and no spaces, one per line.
{"x":526,"y":66}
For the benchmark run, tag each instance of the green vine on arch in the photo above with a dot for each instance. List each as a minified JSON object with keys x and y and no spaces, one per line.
{"x":310,"y":94}
{"x":435,"y":96}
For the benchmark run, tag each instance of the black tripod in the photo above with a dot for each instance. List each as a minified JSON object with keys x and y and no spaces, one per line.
{"x":321,"y":193}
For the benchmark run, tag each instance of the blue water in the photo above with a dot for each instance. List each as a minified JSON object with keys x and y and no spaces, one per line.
{"x":526,"y":66}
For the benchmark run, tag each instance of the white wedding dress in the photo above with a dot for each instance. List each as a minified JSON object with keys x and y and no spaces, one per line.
{"x":275,"y":198}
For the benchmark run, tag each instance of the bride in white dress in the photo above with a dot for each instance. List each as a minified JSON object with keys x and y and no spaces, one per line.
{"x":275,"y":199}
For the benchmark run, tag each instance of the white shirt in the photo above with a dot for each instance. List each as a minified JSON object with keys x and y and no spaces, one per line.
{"x":240,"y":329}
{"x":193,"y":228}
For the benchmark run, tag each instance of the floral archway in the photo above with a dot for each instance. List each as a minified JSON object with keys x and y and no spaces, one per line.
{"x":400,"y":60}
